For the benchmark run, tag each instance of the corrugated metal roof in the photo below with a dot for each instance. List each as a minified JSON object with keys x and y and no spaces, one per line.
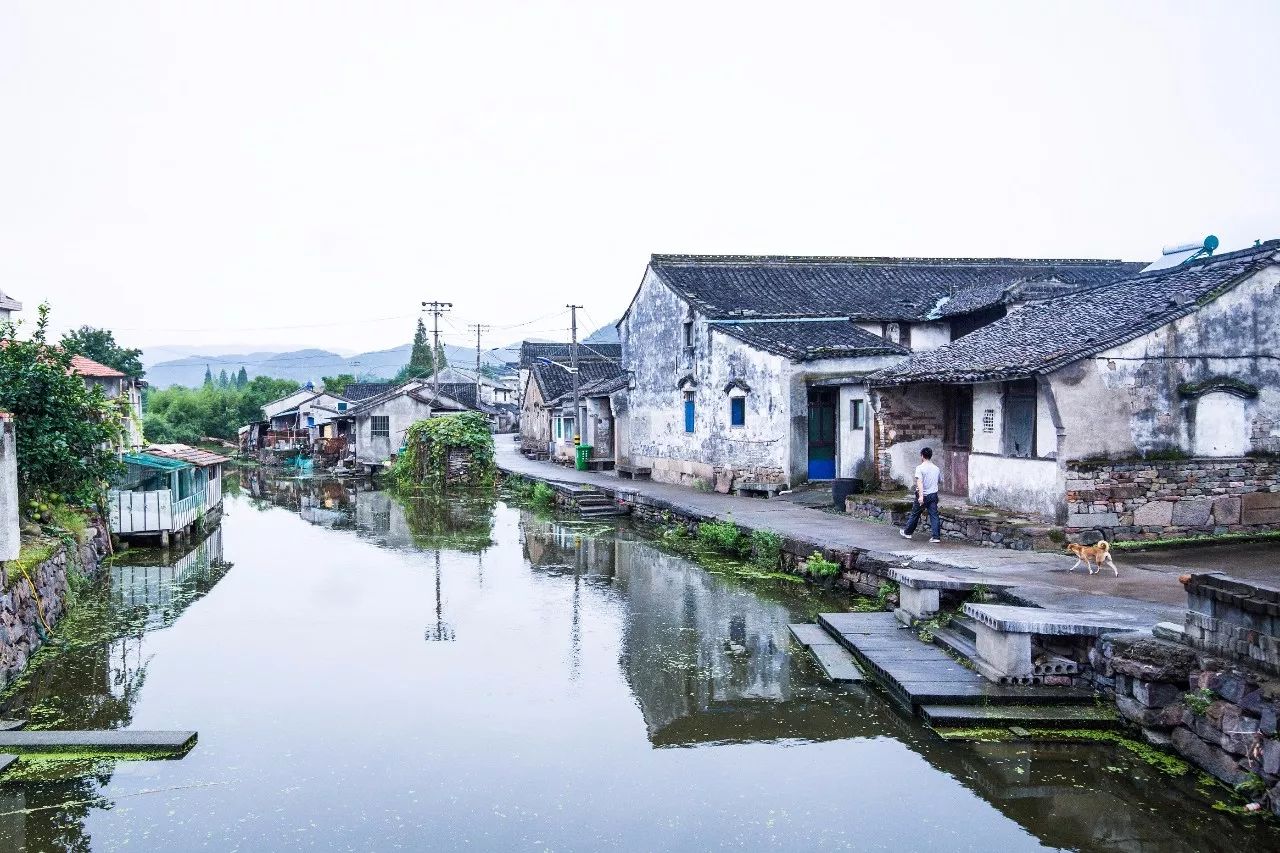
{"x":147,"y":460}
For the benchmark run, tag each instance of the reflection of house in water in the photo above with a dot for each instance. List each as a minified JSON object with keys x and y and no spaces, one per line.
{"x":166,"y":590}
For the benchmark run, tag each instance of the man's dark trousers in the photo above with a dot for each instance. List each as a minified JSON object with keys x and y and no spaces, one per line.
{"x":935,"y":523}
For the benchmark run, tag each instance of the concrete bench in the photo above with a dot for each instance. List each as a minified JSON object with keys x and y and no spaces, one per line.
{"x":920,"y":590}
{"x":754,"y":487}
{"x":1004,"y":633}
{"x":633,"y":472}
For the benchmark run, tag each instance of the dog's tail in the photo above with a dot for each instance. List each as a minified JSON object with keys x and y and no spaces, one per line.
{"x":1103,"y":545}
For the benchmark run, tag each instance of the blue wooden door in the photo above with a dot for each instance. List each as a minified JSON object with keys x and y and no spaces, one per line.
{"x":688,"y":415}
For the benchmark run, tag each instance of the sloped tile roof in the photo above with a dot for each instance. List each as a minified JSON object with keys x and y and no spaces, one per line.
{"x":734,"y":286}
{"x":1043,"y":337}
{"x":554,"y":381}
{"x":807,"y":340}
{"x":530,"y":351}
{"x":185,"y":453}
{"x":82,"y":366}
{"x":8,"y":303}
{"x":365,"y":390}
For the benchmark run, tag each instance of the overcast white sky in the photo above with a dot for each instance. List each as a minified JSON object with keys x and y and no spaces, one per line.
{"x":193,"y":173}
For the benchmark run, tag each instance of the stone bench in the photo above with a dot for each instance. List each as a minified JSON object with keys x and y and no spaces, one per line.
{"x":920,"y":590}
{"x":632,"y":472}
{"x":755,"y":487}
{"x":1004,"y":633}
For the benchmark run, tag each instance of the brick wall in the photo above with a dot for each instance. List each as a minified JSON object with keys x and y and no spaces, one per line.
{"x":902,"y":415}
{"x":1139,"y":499}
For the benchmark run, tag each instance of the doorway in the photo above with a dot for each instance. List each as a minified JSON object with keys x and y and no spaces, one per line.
{"x":822,"y":433}
{"x":957,"y":439}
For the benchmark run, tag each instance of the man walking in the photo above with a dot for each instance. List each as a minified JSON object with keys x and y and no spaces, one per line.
{"x":927,"y":477}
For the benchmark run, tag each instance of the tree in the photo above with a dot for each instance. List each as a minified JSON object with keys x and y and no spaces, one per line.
{"x":337,"y":384}
{"x":66,"y":432}
{"x":223,"y":380}
{"x":442,"y":360}
{"x":100,"y":345}
{"x":186,"y":415}
{"x":208,"y":377}
{"x":420,"y":361}
{"x":242,"y":378}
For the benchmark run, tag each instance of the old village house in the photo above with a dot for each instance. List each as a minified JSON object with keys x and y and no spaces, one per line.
{"x":752,"y":370}
{"x":1144,"y":407}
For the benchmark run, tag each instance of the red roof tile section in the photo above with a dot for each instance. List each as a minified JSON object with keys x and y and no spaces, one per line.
{"x":185,"y":453}
{"x":88,"y":367}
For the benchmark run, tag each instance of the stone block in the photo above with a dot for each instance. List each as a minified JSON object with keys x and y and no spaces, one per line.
{"x":1208,"y":758}
{"x":1226,"y":510}
{"x":1134,"y":711}
{"x":1007,"y":653}
{"x":1260,"y":508}
{"x":1271,"y":757}
{"x":1154,"y":514}
{"x":1193,"y":513}
{"x":1156,"y":694}
{"x":1093,"y":519}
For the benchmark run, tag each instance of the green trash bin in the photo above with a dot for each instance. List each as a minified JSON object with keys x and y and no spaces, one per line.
{"x":584,"y":453}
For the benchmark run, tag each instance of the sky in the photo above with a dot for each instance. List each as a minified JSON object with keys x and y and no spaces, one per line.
{"x":277,"y":175}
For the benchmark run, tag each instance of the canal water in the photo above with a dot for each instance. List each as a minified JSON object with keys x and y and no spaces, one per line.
{"x":371,"y":674}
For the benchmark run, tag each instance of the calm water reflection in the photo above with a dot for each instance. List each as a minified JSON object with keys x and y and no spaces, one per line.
{"x":368,"y":674}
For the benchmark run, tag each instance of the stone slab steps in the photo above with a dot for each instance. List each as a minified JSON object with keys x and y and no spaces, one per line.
{"x":116,"y":740}
{"x":1027,"y":716}
{"x":915,"y":673}
{"x":593,"y":504}
{"x":835,"y":661}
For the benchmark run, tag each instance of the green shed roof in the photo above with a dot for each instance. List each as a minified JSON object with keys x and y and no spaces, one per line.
{"x":146,"y":460}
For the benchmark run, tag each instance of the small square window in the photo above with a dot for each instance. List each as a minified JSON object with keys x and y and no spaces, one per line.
{"x":857,"y":414}
{"x":738,"y":411}
{"x":380,"y":426}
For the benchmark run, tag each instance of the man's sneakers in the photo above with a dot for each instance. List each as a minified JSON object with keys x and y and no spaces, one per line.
{"x":904,"y":534}
{"x":935,"y":540}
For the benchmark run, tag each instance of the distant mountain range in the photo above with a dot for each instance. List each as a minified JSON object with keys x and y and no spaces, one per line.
{"x":311,"y":364}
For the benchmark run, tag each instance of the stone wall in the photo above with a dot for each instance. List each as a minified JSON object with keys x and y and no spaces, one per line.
{"x":976,"y":525}
{"x":21,"y":628}
{"x":1141,"y":499}
{"x":1218,"y":715}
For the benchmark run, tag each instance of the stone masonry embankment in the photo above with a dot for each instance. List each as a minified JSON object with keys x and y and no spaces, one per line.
{"x":22,"y":631}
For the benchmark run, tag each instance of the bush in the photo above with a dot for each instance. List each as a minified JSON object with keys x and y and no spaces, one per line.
{"x":186,"y":415}
{"x":722,"y":536}
{"x":766,"y":549}
{"x":820,"y":567}
{"x":66,"y":432}
{"x":427,"y":444}
{"x":542,"y":494}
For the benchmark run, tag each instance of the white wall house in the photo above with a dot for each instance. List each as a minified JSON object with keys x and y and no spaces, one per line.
{"x":8,"y":307}
{"x":753,"y":369}
{"x":381,"y":423}
{"x":1177,"y":363}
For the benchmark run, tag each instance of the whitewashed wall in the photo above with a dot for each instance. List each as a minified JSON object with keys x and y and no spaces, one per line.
{"x":10,"y":534}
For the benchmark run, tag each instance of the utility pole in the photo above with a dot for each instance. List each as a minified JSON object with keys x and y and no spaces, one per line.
{"x":436,"y":309}
{"x":573,"y":364}
{"x":478,"y":328}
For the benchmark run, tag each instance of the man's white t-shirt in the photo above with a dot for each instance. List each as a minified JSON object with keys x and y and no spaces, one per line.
{"x":929,"y":476}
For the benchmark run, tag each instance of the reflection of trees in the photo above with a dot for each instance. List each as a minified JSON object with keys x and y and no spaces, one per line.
{"x":458,"y":521}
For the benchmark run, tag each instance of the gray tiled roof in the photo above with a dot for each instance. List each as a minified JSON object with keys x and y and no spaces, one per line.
{"x":365,"y":390}
{"x":554,"y":381}
{"x":532,"y":350}
{"x":8,"y":303}
{"x":734,"y":286}
{"x":806,"y":340}
{"x":1043,"y":337}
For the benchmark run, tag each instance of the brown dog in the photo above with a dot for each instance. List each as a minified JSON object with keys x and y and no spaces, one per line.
{"x":1093,"y":555}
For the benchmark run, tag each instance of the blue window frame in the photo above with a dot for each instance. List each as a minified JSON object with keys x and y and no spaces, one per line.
{"x":688,"y":414}
{"x":737,"y":411}
{"x":342,"y":407}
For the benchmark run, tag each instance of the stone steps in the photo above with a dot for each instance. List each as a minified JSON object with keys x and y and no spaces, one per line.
{"x":835,"y":661}
{"x":1033,"y":716}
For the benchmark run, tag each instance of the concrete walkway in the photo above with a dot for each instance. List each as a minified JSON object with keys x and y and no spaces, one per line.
{"x":1143,"y":593}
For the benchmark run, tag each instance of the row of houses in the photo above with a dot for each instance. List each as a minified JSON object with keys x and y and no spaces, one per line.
{"x":1044,"y":386}
{"x":365,"y":425}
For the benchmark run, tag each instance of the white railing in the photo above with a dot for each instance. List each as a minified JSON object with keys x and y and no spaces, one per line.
{"x":213,"y":492}
{"x":153,"y":512}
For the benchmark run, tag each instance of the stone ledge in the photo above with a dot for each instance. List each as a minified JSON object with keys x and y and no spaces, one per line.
{"x":1054,"y":623}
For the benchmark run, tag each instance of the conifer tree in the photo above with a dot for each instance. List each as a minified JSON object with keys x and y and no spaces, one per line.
{"x":208,"y":377}
{"x":242,"y":378}
{"x":420,"y":361}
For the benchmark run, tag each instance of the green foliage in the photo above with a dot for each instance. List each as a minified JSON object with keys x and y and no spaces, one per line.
{"x":242,"y":378}
{"x":65,"y":431}
{"x":100,"y":345}
{"x":821,"y":567}
{"x":723,"y":536}
{"x":337,"y":384}
{"x":185,"y":415}
{"x":930,"y":628}
{"x":1187,"y":541}
{"x":1253,"y":787}
{"x":1198,"y":700}
{"x":542,"y":495}
{"x":766,"y":549}
{"x":427,"y":445}
{"x":224,"y":381}
{"x":208,"y":377}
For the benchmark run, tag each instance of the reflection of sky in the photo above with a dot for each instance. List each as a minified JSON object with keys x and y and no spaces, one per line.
{"x":327,"y":722}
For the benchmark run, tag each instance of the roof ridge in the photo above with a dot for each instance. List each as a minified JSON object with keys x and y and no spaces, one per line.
{"x":873,"y":259}
{"x":1272,"y":246}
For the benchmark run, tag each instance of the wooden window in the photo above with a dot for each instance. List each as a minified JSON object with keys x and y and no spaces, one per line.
{"x":688,"y":334}
{"x":738,"y":411}
{"x":380,"y":426}
{"x":857,"y":414}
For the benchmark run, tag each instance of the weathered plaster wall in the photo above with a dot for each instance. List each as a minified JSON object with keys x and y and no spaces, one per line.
{"x":653,"y":347}
{"x":1021,"y":485}
{"x":987,"y":435}
{"x":535,"y":420}
{"x":1125,"y":401}
{"x":10,"y":534}
{"x":402,"y":412}
{"x":854,"y":445}
{"x":927,"y":336}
